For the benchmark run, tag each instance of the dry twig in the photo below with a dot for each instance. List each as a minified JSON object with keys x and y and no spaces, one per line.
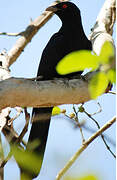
{"x":28,"y":34}
{"x":27,"y":117}
{"x":108,"y":148}
{"x":84,"y":146}
{"x":78,"y":123}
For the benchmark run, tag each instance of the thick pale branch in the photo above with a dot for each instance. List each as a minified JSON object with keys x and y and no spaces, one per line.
{"x":26,"y":93}
{"x":54,"y":92}
{"x":8,"y":59}
{"x":28,"y":34}
{"x":107,"y":16}
{"x":103,"y":28}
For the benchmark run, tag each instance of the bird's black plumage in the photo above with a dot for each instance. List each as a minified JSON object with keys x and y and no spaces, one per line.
{"x":69,"y":38}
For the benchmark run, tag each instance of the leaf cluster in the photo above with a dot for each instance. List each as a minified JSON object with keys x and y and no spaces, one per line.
{"x":80,"y":60}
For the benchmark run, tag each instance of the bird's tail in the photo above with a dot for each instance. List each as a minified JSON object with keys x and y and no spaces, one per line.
{"x":37,"y":140}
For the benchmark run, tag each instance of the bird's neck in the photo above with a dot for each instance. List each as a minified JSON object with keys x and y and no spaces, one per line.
{"x":72,"y":25}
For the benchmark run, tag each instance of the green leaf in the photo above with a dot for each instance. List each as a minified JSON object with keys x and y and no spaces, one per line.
{"x":81,"y":109}
{"x":28,"y":160}
{"x":89,"y":177}
{"x":107,"y":51}
{"x":77,"y":61}
{"x":1,"y":151}
{"x":98,"y":85}
{"x":111,"y":74}
{"x":56,"y":111}
{"x":34,"y":144}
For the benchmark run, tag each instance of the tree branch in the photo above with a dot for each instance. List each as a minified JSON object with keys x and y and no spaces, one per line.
{"x":8,"y":59}
{"x":101,"y":32}
{"x":52,"y":90}
{"x":103,"y":28}
{"x":27,"y":93}
{"x":84,"y":146}
{"x":11,"y":34}
{"x":102,"y":136}
{"x":28,"y":34}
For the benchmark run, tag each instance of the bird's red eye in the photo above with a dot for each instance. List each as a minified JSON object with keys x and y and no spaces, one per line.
{"x":64,"y":6}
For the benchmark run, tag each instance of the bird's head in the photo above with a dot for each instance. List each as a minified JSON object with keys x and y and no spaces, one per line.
{"x":65,"y":10}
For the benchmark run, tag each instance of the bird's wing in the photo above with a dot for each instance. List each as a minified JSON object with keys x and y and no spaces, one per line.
{"x":54,"y":51}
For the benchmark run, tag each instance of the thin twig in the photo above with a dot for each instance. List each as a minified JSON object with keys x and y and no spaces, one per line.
{"x":4,"y":161}
{"x":11,"y":135}
{"x":100,"y":109}
{"x":27,"y":117}
{"x":106,"y":137}
{"x":15,"y":139}
{"x":82,"y":124}
{"x":111,"y":92}
{"x":19,"y":111}
{"x":101,"y":134}
{"x":11,"y":34}
{"x":84,"y":146}
{"x":78,"y":123}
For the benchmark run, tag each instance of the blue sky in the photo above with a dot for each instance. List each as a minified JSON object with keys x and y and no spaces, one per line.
{"x":64,"y":140}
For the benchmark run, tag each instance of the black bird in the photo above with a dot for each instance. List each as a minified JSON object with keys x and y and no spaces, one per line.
{"x":69,"y":38}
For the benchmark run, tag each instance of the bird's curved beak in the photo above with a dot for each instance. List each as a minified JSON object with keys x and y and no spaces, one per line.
{"x":52,"y":9}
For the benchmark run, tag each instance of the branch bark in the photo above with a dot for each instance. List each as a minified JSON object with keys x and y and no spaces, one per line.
{"x":28,"y":93}
{"x":26,"y":36}
{"x":103,"y":28}
{"x":23,"y":92}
